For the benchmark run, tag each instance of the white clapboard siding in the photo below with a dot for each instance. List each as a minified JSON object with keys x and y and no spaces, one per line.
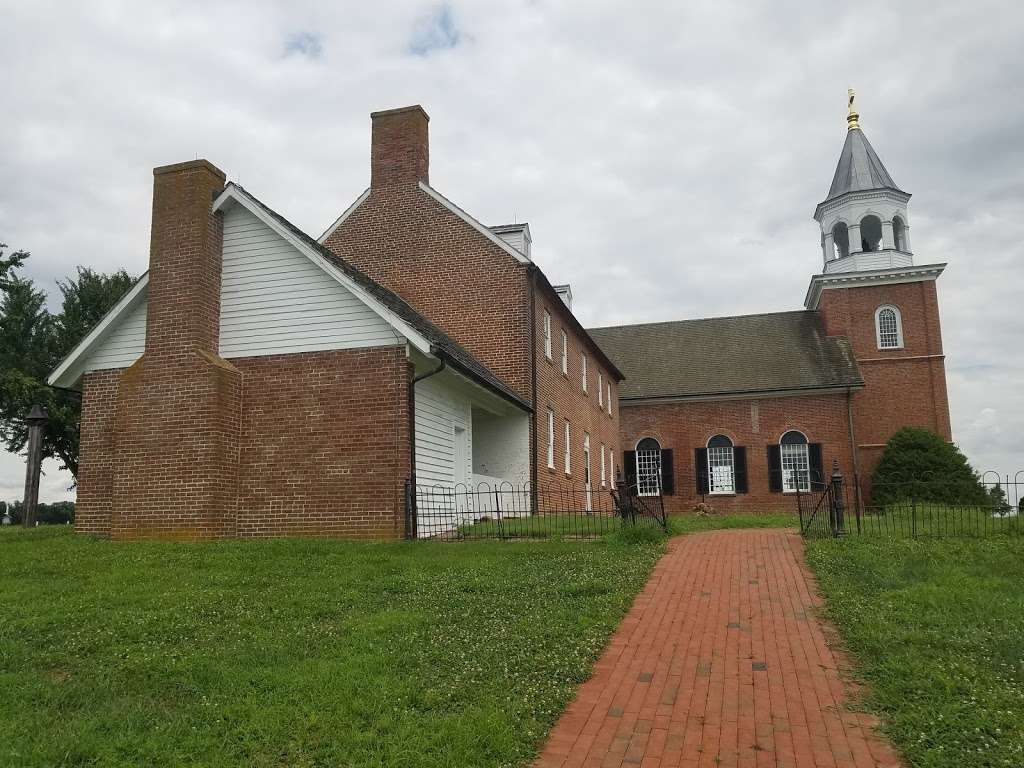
{"x":276,"y":301}
{"x":123,"y":345}
{"x":439,"y":410}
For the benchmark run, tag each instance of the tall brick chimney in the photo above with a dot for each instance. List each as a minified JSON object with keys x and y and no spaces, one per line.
{"x":399,"y":147}
{"x":183,"y":311}
{"x":175,"y":435}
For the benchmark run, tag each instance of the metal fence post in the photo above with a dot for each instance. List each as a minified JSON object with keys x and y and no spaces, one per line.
{"x":410,"y":510}
{"x":838,"y":505}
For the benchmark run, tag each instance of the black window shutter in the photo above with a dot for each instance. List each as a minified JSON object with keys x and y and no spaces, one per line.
{"x":814,"y":459}
{"x":774,"y":469}
{"x":668,"y":476}
{"x":629,"y":466}
{"x":700,"y":466}
{"x":740,"y":458}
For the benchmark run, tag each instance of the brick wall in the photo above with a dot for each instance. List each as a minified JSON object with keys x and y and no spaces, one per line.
{"x":96,"y":452}
{"x":904,"y":387}
{"x":453,"y":275}
{"x":753,"y":424}
{"x":319,"y":446}
{"x":563,"y":393}
{"x":324,"y":444}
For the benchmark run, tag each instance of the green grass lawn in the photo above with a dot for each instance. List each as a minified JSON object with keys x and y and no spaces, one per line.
{"x":299,"y":653}
{"x":937,"y":630}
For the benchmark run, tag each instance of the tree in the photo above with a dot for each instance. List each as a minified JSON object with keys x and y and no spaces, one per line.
{"x":997,"y":499}
{"x":919,"y":465}
{"x":33,"y":341}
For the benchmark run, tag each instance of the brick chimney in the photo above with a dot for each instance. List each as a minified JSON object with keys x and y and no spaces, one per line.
{"x":183,"y":311}
{"x":176,"y":423}
{"x":399,"y":147}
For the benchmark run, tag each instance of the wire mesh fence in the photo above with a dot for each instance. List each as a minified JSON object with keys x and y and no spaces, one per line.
{"x":922,"y":506}
{"x":521,"y":511}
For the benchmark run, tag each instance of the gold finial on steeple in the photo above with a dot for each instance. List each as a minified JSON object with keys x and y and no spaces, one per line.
{"x":852,"y":116}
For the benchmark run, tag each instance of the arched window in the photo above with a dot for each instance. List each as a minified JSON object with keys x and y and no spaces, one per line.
{"x":899,"y":234}
{"x":795,"y":462}
{"x":870,"y":233}
{"x":648,"y":467}
{"x":721,"y":465}
{"x":889,"y":327}
{"x":841,"y":240}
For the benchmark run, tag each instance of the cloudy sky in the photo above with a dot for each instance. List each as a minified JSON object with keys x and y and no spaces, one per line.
{"x":668,"y":156}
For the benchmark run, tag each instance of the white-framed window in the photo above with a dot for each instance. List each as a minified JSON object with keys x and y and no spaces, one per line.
{"x":611,"y":465}
{"x":600,"y":390}
{"x":583,"y":369}
{"x":648,"y":467}
{"x":568,"y":450}
{"x":796,"y":465}
{"x":721,"y":465}
{"x":608,"y":398}
{"x":565,"y":353}
{"x":551,"y":438}
{"x":889,"y":327}
{"x":604,"y":476}
{"x":547,"y":334}
{"x":586,"y":459}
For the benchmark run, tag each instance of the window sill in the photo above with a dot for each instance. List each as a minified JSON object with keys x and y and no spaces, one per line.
{"x":794,"y":491}
{"x":722,"y":493}
{"x":891,"y":349}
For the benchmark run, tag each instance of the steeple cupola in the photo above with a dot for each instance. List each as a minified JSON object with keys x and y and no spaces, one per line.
{"x":863,"y":219}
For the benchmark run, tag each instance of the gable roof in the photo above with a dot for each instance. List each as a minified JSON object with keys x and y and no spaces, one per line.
{"x":420,"y":332}
{"x":859,"y":168}
{"x":440,"y":343}
{"x":721,"y":356}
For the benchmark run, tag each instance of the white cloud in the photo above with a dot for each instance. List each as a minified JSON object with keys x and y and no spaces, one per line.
{"x":667,"y":156}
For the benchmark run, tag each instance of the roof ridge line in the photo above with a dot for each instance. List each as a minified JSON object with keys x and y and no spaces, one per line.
{"x":702,"y":319}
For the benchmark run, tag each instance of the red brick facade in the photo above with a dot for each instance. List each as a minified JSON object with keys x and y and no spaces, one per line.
{"x":563,"y":394}
{"x":753,"y":424}
{"x":476,"y":291}
{"x":184,"y":444}
{"x":902,"y":387}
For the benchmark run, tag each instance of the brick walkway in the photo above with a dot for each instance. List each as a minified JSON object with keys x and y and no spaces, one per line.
{"x":720,"y":662}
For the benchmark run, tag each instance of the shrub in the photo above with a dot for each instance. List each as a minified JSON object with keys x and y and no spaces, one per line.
{"x":919,"y":465}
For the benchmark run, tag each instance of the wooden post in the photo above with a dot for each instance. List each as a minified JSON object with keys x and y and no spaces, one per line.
{"x":33,"y":464}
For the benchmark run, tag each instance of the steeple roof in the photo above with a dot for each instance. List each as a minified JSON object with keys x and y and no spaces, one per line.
{"x":859,"y":167}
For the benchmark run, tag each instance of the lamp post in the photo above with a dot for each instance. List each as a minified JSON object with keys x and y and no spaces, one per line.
{"x":33,"y":464}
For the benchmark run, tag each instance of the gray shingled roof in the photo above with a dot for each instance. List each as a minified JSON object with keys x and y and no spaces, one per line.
{"x":729,"y":355}
{"x":859,"y":168}
{"x":450,"y":350}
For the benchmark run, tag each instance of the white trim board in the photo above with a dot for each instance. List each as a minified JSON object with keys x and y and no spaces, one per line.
{"x":485,"y":231}
{"x":344,"y":215}
{"x":823,"y":282}
{"x":68,"y":372}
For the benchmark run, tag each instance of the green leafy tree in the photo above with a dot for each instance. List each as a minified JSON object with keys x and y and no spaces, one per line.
{"x":997,"y":499}
{"x":919,"y":465}
{"x":33,"y":341}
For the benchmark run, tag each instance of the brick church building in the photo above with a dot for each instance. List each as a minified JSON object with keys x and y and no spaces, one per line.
{"x":740,"y":412}
{"x":259,"y":382}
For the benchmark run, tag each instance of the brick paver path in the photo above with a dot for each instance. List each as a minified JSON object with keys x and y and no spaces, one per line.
{"x":720,"y":662}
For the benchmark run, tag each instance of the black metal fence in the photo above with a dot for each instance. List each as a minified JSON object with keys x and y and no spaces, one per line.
{"x":918,"y":507}
{"x":521,"y":511}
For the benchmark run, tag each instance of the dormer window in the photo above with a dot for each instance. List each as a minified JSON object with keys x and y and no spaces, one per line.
{"x":889,"y":327}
